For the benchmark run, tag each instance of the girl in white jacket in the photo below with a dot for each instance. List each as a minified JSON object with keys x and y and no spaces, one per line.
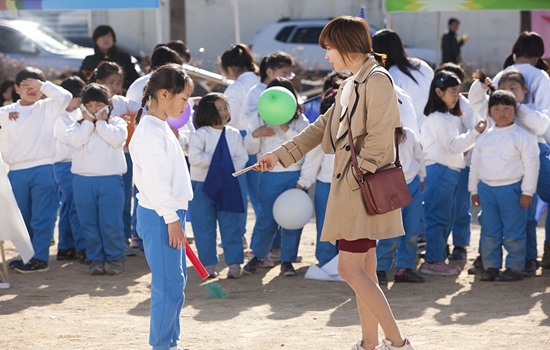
{"x":534,"y":119}
{"x":262,"y":138}
{"x":162,"y":178}
{"x":216,"y":151}
{"x":503,"y":179}
{"x":98,"y":165}
{"x":444,"y":148}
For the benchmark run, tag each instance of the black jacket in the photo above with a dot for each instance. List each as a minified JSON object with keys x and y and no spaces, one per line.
{"x":450,"y":48}
{"x":114,"y":55}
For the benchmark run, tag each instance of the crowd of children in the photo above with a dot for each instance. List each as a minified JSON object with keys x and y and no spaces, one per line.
{"x":69,"y":146}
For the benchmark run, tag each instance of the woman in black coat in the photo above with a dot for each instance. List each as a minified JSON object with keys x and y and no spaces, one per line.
{"x":105,"y":50}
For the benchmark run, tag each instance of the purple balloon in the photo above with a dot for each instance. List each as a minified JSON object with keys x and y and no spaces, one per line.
{"x":182,"y":120}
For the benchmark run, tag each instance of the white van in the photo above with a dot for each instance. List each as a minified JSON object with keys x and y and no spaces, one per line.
{"x":300,"y":39}
{"x":39,"y":46}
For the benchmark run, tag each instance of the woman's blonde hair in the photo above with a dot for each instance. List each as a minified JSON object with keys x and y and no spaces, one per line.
{"x":349,"y":35}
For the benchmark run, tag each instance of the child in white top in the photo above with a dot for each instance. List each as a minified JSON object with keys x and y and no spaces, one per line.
{"x":261,"y":138}
{"x":30,"y":157}
{"x":503,"y":179}
{"x":111,"y":75}
{"x":462,"y":219}
{"x":238,"y":64}
{"x":215,"y":152}
{"x":98,"y":166}
{"x":277,"y":64}
{"x":534,"y":119}
{"x":72,"y":241}
{"x":444,"y":147}
{"x":162,"y":178}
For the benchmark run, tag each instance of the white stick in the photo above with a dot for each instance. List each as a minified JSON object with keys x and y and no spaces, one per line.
{"x":245,"y":170}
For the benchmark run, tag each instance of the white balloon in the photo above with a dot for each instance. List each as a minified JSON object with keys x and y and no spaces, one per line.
{"x":293,"y":209}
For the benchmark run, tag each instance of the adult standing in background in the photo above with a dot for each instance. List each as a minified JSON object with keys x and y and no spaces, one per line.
{"x":104,"y":38}
{"x":450,"y":44}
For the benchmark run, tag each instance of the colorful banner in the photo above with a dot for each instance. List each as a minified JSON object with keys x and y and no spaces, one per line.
{"x":76,"y":5}
{"x":540,"y":23}
{"x":465,"y":5}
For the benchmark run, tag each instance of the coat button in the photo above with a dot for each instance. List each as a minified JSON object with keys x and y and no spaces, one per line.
{"x":347,"y":148}
{"x":338,"y":176}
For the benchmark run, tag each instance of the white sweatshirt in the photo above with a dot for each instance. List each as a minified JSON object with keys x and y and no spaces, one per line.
{"x":467,"y":121}
{"x":123,"y":105}
{"x":184,"y":134}
{"x":31,"y":137}
{"x":263,"y":145}
{"x":529,"y":116}
{"x":98,"y":147}
{"x":443,"y":143}
{"x":418,"y":92}
{"x":250,"y":108}
{"x":63,"y":150}
{"x":406,"y":110}
{"x":503,"y":156}
{"x":411,"y":157}
{"x":317,"y":166}
{"x":135,"y":91}
{"x":236,"y":94}
{"x":538,"y":84}
{"x":203,"y":144}
{"x":160,"y":170}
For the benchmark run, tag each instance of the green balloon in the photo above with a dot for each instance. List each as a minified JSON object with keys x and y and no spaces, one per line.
{"x":277,"y":105}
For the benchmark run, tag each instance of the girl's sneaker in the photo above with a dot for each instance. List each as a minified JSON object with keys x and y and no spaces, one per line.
{"x":66,"y":254}
{"x":97,"y":268}
{"x":211,"y":269}
{"x":34,"y":265}
{"x":387,"y":345}
{"x":116,"y":267}
{"x":287,"y":269}
{"x":234,"y":271}
{"x":81,"y":257}
{"x":509,"y":275}
{"x":490,"y":274}
{"x":252,"y":266}
{"x":477,"y":267}
{"x":407,"y":275}
{"x":439,"y":268}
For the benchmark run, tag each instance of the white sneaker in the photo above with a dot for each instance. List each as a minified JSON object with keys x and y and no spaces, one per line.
{"x":357,"y":346}
{"x":386,"y":345}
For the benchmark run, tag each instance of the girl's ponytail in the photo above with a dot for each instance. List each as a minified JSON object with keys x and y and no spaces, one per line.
{"x":479,"y":75}
{"x":508,"y":61}
{"x":542,"y":65}
{"x":143,"y":103}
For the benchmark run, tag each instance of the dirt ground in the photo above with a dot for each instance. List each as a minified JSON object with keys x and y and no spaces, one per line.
{"x":66,"y":308}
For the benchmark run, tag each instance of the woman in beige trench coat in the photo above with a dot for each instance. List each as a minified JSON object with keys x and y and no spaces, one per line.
{"x":348,"y":44}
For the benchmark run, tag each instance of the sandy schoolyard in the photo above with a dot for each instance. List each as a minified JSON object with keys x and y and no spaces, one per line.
{"x":66,"y":308}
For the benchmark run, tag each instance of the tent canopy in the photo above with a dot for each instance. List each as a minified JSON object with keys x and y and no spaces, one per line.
{"x":9,"y":5}
{"x":464,"y":5}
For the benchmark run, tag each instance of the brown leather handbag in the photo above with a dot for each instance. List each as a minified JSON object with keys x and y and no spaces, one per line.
{"x":386,"y":189}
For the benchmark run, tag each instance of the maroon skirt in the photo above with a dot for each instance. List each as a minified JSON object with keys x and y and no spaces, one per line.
{"x":358,"y":246}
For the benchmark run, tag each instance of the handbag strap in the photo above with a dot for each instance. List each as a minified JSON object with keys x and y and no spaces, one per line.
{"x":358,"y":172}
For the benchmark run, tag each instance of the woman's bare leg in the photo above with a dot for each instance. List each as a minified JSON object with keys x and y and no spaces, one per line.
{"x":359,"y":271}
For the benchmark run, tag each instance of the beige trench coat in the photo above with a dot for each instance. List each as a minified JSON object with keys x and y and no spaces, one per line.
{"x":346,"y":216}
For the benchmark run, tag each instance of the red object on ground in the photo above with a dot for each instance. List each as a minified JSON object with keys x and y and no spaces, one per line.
{"x":196,"y":262}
